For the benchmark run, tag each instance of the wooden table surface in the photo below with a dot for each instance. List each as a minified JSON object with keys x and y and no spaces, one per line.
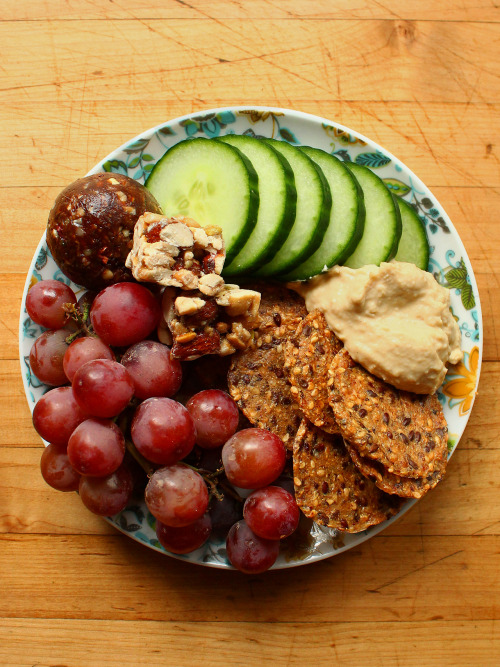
{"x":80,"y":77}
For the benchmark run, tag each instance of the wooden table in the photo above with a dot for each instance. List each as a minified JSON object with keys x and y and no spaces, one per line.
{"x":78,"y":78}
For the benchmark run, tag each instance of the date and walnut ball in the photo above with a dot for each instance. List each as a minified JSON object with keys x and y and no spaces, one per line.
{"x":91,"y":226}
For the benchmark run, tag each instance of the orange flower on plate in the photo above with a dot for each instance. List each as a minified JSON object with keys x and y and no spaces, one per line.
{"x":461,"y":389}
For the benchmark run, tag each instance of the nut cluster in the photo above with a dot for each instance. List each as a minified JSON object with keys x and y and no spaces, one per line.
{"x":201,"y":314}
{"x":175,"y":252}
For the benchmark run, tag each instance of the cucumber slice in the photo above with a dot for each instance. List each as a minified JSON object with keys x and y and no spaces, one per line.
{"x":277,"y":203}
{"x":382,"y":232}
{"x":211,"y":182}
{"x":312,"y":213}
{"x":413,"y":245}
{"x":347,"y":217}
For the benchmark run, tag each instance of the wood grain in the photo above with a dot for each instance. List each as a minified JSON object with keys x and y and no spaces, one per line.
{"x":32,"y":10}
{"x":282,"y":644}
{"x":392,"y":60}
{"x":438,"y":576}
{"x":79,"y":78}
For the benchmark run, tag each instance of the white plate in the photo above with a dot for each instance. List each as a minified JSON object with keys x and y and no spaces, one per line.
{"x":448,"y":262}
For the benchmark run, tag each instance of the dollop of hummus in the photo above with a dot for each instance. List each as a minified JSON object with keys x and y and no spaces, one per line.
{"x":394,"y":319}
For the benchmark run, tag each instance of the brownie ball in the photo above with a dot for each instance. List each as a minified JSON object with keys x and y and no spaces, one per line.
{"x":91,"y":226}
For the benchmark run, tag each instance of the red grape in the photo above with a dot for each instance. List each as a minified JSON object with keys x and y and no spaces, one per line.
{"x":176,"y":495}
{"x":153,"y":371}
{"x":57,"y":414}
{"x":124,"y":314}
{"x":82,"y":350}
{"x":162,"y":430}
{"x":45,"y":300}
{"x":96,"y":447}
{"x":102,"y":387}
{"x":253,"y":458}
{"x":225,"y":513}
{"x":271,"y":513}
{"x":46,"y":357}
{"x":215,"y":416}
{"x":184,"y":539}
{"x":248,"y":552}
{"x":107,"y":495}
{"x":57,"y":470}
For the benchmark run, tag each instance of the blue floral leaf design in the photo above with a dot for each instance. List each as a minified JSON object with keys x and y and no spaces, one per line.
{"x":147,"y":157}
{"x":59,"y":275}
{"x":148,"y":168}
{"x":191,"y":128}
{"x":372,"y":160}
{"x":251,"y":133}
{"x":134,"y":162}
{"x":29,"y":329}
{"x":137,"y":510}
{"x":343,"y":155}
{"x":116,"y":166}
{"x":137,"y":146}
{"x":226,"y":117}
{"x":132,"y":527}
{"x":288,"y":135}
{"x":138,"y":174}
{"x":443,"y":225}
{"x":41,"y":260}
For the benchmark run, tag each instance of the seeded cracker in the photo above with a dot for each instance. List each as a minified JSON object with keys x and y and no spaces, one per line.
{"x":257,"y":380}
{"x":279,"y":305}
{"x":406,"y":487}
{"x":405,"y":432}
{"x":308,"y":356}
{"x":329,"y":488}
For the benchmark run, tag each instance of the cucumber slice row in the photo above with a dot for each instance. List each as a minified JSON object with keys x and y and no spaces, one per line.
{"x":347,"y":217}
{"x":382,"y":232}
{"x":312,"y":212}
{"x":211,"y":182}
{"x":413,"y":245}
{"x":274,"y":204}
{"x":277,"y":204}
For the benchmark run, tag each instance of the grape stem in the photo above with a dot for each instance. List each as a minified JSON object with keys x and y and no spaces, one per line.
{"x":143,"y":462}
{"x":80,"y":317}
{"x":210,"y":479}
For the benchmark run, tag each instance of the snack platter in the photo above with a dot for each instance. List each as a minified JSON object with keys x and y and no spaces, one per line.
{"x":448,"y":262}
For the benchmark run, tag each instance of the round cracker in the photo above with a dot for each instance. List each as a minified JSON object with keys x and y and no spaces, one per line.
{"x":330,"y":489}
{"x":308,"y":356}
{"x":279,"y":306}
{"x":258,"y":383}
{"x":405,"y":487}
{"x":405,"y":432}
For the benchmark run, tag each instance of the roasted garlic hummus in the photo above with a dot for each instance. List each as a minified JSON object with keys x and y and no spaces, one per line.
{"x":394,"y":319}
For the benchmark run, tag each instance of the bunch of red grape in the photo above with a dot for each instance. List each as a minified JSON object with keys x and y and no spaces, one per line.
{"x":104,"y":416}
